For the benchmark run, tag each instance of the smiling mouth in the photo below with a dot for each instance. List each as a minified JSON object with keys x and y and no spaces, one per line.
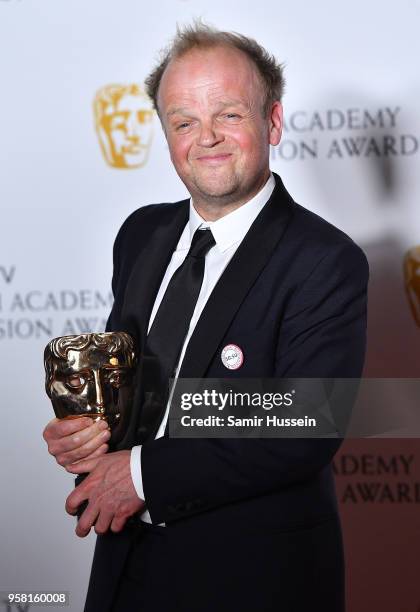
{"x":214,"y":159}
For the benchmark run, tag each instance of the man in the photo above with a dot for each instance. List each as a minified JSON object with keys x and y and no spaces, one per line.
{"x":225,"y":525}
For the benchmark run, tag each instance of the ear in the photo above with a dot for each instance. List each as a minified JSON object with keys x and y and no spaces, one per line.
{"x":275,"y":123}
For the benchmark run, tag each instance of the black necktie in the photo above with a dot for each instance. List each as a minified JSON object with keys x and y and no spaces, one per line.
{"x":170,"y":326}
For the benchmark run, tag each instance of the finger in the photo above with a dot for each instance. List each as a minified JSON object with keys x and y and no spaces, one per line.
{"x":58,"y":428}
{"x":59,"y":441}
{"x":82,"y":436}
{"x":87,"y":520}
{"x":118,"y":523}
{"x":88,"y":464}
{"x":77,"y":496}
{"x":84,"y":450}
{"x":79,"y":446}
{"x":103,"y":522}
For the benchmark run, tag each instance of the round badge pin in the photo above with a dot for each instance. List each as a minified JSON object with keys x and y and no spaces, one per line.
{"x":232,"y":356}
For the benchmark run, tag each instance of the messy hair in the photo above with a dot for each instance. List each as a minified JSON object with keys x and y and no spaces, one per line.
{"x":203,"y":36}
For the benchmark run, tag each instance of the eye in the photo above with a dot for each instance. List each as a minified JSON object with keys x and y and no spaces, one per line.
{"x":232,"y":116}
{"x":76,"y":382}
{"x":117,"y":379}
{"x":118,"y":121}
{"x":183,"y":126}
{"x":144,"y":116}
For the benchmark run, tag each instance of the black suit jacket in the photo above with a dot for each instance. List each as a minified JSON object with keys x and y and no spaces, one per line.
{"x":293,"y":297}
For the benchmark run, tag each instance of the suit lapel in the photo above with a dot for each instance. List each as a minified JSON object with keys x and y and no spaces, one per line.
{"x":239,"y":276}
{"x":142,"y":286}
{"x":150,"y":266}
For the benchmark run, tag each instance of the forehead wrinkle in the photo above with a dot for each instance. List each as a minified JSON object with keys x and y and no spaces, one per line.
{"x":216,"y":99}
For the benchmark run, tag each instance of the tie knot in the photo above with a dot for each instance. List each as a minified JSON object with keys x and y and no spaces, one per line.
{"x":201,"y":243}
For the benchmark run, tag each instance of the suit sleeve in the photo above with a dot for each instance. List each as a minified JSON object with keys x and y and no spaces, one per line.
{"x":322,"y":334}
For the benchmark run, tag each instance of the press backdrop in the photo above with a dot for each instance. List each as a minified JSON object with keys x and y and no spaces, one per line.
{"x":350,"y":152}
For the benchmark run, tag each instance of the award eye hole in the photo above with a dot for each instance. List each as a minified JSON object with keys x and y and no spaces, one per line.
{"x":75,"y":382}
{"x":117,"y":379}
{"x":144,"y":116}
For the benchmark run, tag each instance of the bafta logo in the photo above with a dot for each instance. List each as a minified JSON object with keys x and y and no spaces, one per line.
{"x":412,"y":280}
{"x":124,"y":124}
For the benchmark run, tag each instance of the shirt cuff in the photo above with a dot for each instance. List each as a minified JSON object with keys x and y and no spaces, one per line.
{"x":135,"y":468}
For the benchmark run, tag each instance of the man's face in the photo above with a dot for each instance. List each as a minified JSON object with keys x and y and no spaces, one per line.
{"x":210,"y":103}
{"x":128,"y":129}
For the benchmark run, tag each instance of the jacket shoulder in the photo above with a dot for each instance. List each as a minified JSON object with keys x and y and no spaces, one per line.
{"x":137,"y":230}
{"x":317,"y":235}
{"x":147,"y":217}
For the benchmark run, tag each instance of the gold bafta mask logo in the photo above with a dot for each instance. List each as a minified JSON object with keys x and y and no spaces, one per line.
{"x":124,"y":124}
{"x":412,"y":280}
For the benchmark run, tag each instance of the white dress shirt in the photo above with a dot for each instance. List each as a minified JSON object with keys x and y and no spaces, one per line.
{"x":228,"y":233}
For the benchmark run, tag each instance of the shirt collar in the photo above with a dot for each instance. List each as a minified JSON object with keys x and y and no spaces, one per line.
{"x":231,"y":228}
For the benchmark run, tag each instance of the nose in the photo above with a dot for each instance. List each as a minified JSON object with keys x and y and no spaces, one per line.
{"x":99,"y":399}
{"x":208,"y":135}
{"x":131,"y":129}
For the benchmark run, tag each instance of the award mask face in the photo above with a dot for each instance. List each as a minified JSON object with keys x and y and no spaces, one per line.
{"x":92,"y":375}
{"x":412,"y":280}
{"x":124,"y":124}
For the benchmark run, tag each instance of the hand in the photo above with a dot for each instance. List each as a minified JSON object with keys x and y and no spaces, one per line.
{"x":110,"y":491}
{"x":70,"y":440}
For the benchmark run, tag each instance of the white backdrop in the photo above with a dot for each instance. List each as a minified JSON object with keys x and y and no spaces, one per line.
{"x":350,"y":152}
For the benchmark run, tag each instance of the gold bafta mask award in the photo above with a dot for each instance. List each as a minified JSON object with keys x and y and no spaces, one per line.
{"x":124,"y":124}
{"x":92,"y":375}
{"x":412,"y":280}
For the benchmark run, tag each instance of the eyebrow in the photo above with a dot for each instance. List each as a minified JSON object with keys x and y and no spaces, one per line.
{"x":184,"y":110}
{"x":176,"y":110}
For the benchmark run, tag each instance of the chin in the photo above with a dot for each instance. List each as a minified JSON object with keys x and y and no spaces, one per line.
{"x":216,"y":188}
{"x":217,"y":193}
